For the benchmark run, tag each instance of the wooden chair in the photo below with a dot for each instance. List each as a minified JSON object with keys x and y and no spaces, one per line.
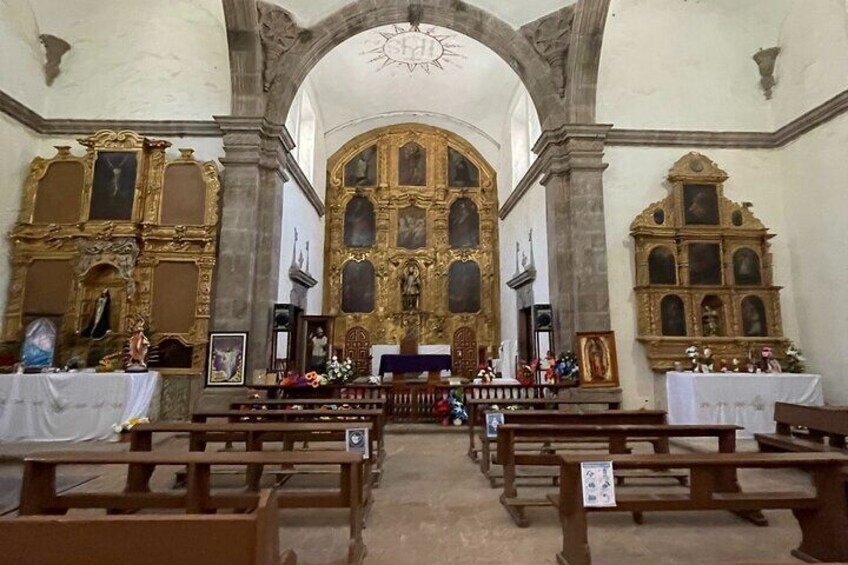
{"x":822,"y":515}
{"x":250,"y":538}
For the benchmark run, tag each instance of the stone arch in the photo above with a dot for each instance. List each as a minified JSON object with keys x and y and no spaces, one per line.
{"x":295,"y":51}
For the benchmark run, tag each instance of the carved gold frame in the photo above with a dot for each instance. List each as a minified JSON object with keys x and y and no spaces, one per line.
{"x":388,"y":323}
{"x":738,"y":228}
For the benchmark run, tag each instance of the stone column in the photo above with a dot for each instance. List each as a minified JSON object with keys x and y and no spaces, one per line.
{"x":572,"y":165}
{"x":247,"y":272}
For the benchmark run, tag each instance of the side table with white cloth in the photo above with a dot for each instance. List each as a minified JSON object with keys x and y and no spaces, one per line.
{"x":72,"y":406}
{"x":743,"y":399}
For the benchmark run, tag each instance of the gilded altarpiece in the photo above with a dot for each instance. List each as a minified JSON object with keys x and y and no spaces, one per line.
{"x":703,"y":271}
{"x":430,"y":200}
{"x":124,"y":218}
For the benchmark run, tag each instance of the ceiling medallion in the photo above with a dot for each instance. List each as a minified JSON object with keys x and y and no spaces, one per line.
{"x":412,"y":48}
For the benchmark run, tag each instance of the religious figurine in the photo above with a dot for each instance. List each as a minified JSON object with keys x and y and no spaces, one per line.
{"x":319,"y":344}
{"x":98,"y":324}
{"x":707,"y":362}
{"x":411,"y":287}
{"x":735,"y":365}
{"x":709,"y":319}
{"x":39,"y":343}
{"x":722,"y":364}
{"x":694,"y":357}
{"x":770,"y":364}
{"x":138,"y":348}
{"x":752,"y":366}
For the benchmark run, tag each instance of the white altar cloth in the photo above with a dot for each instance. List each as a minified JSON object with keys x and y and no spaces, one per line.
{"x":72,"y":406}
{"x":743,"y":399}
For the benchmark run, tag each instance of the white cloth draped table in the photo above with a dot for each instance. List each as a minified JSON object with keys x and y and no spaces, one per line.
{"x":743,"y":399}
{"x":72,"y":406}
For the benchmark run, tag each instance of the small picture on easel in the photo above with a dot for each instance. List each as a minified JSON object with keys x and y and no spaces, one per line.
{"x":493,"y":421}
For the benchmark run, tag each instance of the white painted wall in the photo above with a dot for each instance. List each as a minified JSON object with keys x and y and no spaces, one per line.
{"x":670,"y":64}
{"x":636,"y":177}
{"x":814,"y":169}
{"x":299,"y":214}
{"x":813,"y":63}
{"x":138,"y":59}
{"x":19,"y":147}
{"x":22,"y":56}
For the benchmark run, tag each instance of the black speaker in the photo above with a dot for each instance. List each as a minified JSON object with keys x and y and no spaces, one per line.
{"x":543,"y":318}
{"x":284,"y":317}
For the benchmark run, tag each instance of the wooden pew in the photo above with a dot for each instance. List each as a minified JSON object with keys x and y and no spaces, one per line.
{"x":820,"y":422}
{"x":376,"y":417}
{"x":823,"y":516}
{"x":38,"y":492}
{"x":477,"y":407}
{"x":602,"y":418}
{"x":616,"y":438}
{"x":277,"y":403}
{"x":250,"y":538}
{"x":255,"y":435}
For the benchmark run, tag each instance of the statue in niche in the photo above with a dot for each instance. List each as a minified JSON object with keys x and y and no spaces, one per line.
{"x":710,"y":321}
{"x":99,"y":323}
{"x":411,"y":287}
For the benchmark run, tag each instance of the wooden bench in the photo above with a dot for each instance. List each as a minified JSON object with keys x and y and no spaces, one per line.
{"x":376,"y":417}
{"x":616,"y":438}
{"x":822,"y":515}
{"x":38,"y":493}
{"x":254,"y":436}
{"x":818,"y":423}
{"x":557,"y":417}
{"x":250,"y":538}
{"x":478,"y":406}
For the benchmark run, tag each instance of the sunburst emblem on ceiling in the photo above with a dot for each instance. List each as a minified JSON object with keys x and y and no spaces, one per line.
{"x":414,"y":49}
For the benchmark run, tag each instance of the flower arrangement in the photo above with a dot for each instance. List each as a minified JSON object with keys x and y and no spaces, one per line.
{"x":794,"y":359}
{"x":314,"y":379}
{"x":339,"y":372}
{"x":129,"y":424}
{"x":485,"y":374}
{"x":567,"y":370}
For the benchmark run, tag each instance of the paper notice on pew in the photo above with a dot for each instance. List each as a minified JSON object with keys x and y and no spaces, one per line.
{"x":356,"y":441}
{"x":598,"y":483}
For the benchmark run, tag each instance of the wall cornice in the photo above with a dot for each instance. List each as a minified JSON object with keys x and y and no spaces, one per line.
{"x":305,"y":185}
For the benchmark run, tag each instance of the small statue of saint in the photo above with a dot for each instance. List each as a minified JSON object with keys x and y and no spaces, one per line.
{"x":411,"y":287}
{"x":709,"y":319}
{"x":98,"y":324}
{"x":319,"y":342}
{"x":138,"y":348}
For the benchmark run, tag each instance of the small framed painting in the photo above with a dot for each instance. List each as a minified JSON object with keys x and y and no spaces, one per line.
{"x":226,"y":359}
{"x":596,"y":356}
{"x":494,"y":420}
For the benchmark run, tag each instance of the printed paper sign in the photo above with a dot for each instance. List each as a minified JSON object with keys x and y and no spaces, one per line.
{"x":598,"y":483}
{"x":356,"y":441}
{"x":493,"y":420}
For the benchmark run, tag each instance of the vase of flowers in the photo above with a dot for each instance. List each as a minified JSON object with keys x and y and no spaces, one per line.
{"x":485,"y":374}
{"x":567,"y":369}
{"x":339,"y":372}
{"x":794,"y":359}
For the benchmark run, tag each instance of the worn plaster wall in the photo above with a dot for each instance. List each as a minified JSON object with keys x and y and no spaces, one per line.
{"x":156,"y":59}
{"x":21,"y":63}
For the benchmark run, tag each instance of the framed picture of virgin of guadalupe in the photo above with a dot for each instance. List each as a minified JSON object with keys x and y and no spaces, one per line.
{"x":597,"y":360}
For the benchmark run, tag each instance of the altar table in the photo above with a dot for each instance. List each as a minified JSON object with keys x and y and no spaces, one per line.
{"x":72,"y":406}
{"x":414,"y":363}
{"x":743,"y":399}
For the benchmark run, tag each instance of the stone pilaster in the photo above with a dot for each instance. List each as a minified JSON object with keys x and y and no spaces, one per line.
{"x":247,"y":274}
{"x":572,"y":165}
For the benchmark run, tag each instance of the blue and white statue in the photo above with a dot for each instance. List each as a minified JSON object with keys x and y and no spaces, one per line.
{"x":39,"y":343}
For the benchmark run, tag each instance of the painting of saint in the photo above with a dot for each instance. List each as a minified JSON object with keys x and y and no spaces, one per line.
{"x":754,"y":317}
{"x":597,"y":360}
{"x":673,"y":316}
{"x":662,"y":267}
{"x":360,"y":227}
{"x":464,"y":224}
{"x":412,"y":165}
{"x":704,"y":264}
{"x":358,"y":286}
{"x":113,"y":188}
{"x":461,"y":171}
{"x":227,"y":358}
{"x":362,"y":169}
{"x":412,"y":228}
{"x":746,"y":267}
{"x":700,"y":204}
{"x":464,"y":287}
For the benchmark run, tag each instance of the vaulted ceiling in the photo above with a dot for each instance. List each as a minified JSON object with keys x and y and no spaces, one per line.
{"x":514,"y":12}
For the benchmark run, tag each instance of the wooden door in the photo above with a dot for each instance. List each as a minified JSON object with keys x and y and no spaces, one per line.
{"x":464,"y":353}
{"x":358,"y":350}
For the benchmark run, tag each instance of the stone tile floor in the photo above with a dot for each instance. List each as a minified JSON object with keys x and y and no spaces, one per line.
{"x":434,"y":506}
